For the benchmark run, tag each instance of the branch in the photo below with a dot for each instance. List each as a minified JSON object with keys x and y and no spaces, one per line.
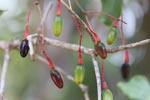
{"x":97,"y":74}
{"x":4,"y":72}
{"x":128,"y":46}
{"x":14,"y":44}
{"x":83,"y":87}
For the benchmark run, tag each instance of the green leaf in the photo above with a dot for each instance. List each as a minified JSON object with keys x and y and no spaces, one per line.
{"x":112,"y":7}
{"x":138,"y":88}
{"x":2,"y":11}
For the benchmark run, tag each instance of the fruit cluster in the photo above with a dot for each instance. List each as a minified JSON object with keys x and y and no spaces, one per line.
{"x":99,"y":46}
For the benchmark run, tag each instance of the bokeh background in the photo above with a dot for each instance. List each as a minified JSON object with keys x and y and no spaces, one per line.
{"x":30,"y":80}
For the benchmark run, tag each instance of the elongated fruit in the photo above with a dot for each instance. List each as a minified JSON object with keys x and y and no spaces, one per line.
{"x":57,"y":26}
{"x":79,"y":74}
{"x":125,"y":70}
{"x":24,"y":48}
{"x":56,"y":78}
{"x":101,"y":50}
{"x":111,"y":36}
{"x":106,"y":94}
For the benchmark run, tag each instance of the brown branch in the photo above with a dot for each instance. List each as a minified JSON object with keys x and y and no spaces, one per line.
{"x":14,"y":44}
{"x":128,"y":46}
{"x":4,"y":72}
{"x":98,"y":77}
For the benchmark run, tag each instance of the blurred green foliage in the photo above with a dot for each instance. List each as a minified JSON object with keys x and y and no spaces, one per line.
{"x":138,"y":88}
{"x":112,"y":7}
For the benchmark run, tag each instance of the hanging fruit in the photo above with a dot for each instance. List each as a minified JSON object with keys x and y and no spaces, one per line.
{"x":57,"y":26}
{"x":79,"y":74}
{"x":56,"y":78}
{"x":125,"y":70}
{"x":106,"y":94}
{"x":111,"y":36}
{"x":101,"y":50}
{"x":57,"y":22}
{"x":24,"y":48}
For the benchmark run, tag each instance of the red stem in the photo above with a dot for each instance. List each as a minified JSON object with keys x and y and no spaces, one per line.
{"x":95,"y":36}
{"x":79,"y":50}
{"x":115,"y":23}
{"x":58,"y":10}
{"x":50,"y":63}
{"x":104,"y":84}
{"x":26,"y":32}
{"x":126,"y":55}
{"x":105,"y":14}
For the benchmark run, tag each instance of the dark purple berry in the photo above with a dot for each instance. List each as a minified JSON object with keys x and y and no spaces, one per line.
{"x":125,"y":69}
{"x":101,"y":50}
{"x":56,"y":77}
{"x":24,"y":48}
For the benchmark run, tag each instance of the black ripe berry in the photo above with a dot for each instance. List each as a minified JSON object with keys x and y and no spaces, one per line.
{"x":56,"y":78}
{"x":24,"y":48}
{"x":125,"y":68}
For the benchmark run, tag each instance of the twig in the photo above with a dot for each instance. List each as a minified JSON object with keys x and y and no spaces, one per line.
{"x":97,"y":74}
{"x":83,"y":87}
{"x":128,"y":46}
{"x":14,"y":44}
{"x":4,"y":72}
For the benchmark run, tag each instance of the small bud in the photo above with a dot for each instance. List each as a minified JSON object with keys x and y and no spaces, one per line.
{"x":79,"y":74}
{"x":111,"y":36}
{"x":106,"y":94}
{"x":125,"y":68}
{"x":56,"y":77}
{"x":57,"y":26}
{"x":24,"y":48}
{"x":101,"y":50}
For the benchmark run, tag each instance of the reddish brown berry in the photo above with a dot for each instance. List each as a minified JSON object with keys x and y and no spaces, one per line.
{"x":101,"y":50}
{"x":125,"y":68}
{"x":24,"y":48}
{"x":56,"y":77}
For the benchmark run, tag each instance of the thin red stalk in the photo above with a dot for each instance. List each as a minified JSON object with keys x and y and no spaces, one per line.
{"x":58,"y":10}
{"x":104,"y":84}
{"x":126,"y":55}
{"x":35,"y":3}
{"x":26,"y":32}
{"x":50,"y":63}
{"x":115,"y":23}
{"x":95,"y":36}
{"x":79,"y":50}
{"x":105,"y":14}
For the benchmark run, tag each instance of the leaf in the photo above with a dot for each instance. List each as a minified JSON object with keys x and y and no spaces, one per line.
{"x":112,"y":7}
{"x":2,"y":11}
{"x":138,"y":88}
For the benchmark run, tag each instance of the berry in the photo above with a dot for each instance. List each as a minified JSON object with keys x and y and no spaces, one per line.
{"x":125,"y":68}
{"x":101,"y":50}
{"x":111,"y":36}
{"x":56,"y":78}
{"x":24,"y":48}
{"x":79,"y":74}
{"x":106,"y":94}
{"x":57,"y":26}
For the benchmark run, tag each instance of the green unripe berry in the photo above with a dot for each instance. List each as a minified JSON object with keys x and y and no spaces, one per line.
{"x":79,"y":74}
{"x":111,"y":36}
{"x":57,"y":26}
{"x":106,"y":94}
